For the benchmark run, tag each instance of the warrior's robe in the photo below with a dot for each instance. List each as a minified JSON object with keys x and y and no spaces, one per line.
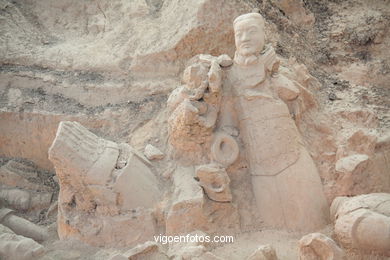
{"x":285,"y":180}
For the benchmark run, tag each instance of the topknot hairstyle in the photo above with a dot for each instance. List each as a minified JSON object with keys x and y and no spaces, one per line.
{"x":255,"y":16}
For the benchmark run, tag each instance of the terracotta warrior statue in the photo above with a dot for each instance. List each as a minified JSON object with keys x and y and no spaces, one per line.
{"x":286,"y":184}
{"x":227,"y":108}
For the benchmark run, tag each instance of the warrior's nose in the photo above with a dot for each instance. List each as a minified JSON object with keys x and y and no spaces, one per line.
{"x":244,"y":36}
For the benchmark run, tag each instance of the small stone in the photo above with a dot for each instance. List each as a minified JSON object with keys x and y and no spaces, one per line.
{"x":332,"y":97}
{"x":153,"y":153}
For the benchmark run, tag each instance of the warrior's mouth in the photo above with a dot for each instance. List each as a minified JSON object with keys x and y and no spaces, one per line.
{"x":245,"y":45}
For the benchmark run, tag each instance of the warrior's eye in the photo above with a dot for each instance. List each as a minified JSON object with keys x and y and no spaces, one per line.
{"x":252,"y":31}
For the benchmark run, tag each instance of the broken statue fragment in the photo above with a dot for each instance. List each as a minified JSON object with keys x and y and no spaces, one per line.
{"x":363,"y":222}
{"x":107,"y":190}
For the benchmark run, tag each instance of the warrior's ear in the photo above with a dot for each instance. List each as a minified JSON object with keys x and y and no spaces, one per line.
{"x":271,"y":61}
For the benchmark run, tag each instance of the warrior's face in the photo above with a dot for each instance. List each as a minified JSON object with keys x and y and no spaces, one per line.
{"x":249,"y":36}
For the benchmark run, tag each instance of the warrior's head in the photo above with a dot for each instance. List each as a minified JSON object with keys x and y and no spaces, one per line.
{"x":249,"y":34}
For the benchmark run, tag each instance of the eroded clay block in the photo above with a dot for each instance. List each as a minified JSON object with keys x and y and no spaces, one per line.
{"x":194,"y":75}
{"x":186,"y":212}
{"x":176,"y":97}
{"x":74,"y":150}
{"x":319,"y":246}
{"x":351,"y":171}
{"x":195,"y":108}
{"x":363,"y":222}
{"x":136,"y":185}
{"x":186,"y":188}
{"x":364,"y":229}
{"x":81,"y":158}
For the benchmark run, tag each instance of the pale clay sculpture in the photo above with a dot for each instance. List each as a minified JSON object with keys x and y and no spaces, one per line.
{"x":224,"y":107}
{"x":363,"y":222}
{"x":248,"y":101}
{"x":285,"y":180}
